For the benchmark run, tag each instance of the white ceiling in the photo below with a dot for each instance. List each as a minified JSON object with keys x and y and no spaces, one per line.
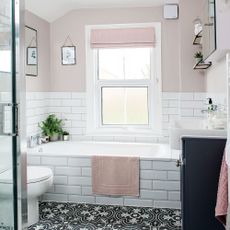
{"x":53,"y":9}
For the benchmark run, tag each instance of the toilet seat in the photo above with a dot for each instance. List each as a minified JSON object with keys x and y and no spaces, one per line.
{"x":34,"y":174}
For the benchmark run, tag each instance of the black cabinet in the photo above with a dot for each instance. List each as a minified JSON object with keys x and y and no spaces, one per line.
{"x":200,"y":170}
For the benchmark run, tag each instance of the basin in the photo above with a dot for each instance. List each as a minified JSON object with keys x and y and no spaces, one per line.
{"x":192,"y":128}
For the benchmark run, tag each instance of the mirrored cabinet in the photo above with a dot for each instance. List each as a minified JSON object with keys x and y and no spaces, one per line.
{"x":209,"y":29}
{"x":212,"y":32}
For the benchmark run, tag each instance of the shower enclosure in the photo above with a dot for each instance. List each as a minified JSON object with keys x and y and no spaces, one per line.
{"x":13,"y":205}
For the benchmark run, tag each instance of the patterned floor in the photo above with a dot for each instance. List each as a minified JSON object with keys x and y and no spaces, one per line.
{"x":3,"y":227}
{"x":71,"y":216}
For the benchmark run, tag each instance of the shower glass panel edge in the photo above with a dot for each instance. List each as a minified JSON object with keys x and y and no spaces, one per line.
{"x":20,"y":99}
{"x":13,"y":165}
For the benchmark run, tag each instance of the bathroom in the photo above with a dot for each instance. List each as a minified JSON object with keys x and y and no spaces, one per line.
{"x":132,"y":87}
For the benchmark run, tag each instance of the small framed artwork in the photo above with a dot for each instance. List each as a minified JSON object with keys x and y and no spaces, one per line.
{"x":68,"y":55}
{"x":31,"y":55}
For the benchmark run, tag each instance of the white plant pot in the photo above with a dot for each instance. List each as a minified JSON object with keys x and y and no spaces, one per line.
{"x":65,"y":137}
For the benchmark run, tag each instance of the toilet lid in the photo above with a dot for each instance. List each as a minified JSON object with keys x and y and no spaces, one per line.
{"x":34,"y":174}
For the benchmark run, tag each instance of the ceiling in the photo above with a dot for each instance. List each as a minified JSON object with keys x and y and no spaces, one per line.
{"x":53,"y":9}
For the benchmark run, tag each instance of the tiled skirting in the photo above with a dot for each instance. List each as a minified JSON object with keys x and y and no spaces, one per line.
{"x":159,"y":182}
{"x":71,"y":107}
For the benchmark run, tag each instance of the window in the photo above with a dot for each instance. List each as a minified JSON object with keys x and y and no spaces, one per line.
{"x":123,"y":87}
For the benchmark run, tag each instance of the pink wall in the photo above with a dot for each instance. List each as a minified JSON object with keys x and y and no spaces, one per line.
{"x":216,"y":78}
{"x":191,"y":80}
{"x":42,"y":81}
{"x":72,"y":78}
{"x":177,"y":48}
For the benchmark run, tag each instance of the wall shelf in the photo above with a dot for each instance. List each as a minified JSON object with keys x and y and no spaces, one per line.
{"x":197,"y":39}
{"x":202,"y":65}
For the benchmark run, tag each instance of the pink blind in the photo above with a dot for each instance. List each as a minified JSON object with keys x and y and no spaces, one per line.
{"x":129,"y":37}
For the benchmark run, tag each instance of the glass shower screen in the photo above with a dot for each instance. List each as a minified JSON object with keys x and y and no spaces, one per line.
{"x":9,"y":206}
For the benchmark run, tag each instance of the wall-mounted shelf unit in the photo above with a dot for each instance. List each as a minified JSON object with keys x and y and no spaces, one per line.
{"x":202,"y":65}
{"x":197,"y":39}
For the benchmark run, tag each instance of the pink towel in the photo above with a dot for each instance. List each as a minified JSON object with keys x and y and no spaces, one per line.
{"x":222,"y":195}
{"x":115,"y":175}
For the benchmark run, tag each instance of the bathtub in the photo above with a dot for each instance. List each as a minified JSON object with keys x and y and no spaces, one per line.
{"x":89,"y":148}
{"x":71,"y":165}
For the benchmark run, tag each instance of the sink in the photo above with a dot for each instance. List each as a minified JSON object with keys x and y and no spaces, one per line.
{"x":191,"y":127}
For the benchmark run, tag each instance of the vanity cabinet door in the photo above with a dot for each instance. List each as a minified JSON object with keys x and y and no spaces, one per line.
{"x":200,"y":171}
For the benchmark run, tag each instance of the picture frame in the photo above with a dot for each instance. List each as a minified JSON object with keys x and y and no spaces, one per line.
{"x":68,"y":55}
{"x":32,"y":56}
{"x":31,"y":51}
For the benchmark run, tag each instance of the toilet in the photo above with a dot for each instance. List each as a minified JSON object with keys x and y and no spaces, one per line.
{"x":39,"y":180}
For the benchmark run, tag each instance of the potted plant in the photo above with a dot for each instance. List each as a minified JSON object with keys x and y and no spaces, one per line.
{"x":198,"y":56}
{"x":65,"y":136}
{"x":51,"y":127}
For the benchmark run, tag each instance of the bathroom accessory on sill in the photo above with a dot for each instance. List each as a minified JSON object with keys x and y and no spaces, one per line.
{"x":32,"y":141}
{"x":115,"y":175}
{"x":52,"y":127}
{"x":65,"y":136}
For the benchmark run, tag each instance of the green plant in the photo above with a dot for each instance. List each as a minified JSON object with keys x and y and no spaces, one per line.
{"x":65,"y":133}
{"x":198,"y":55}
{"x":51,"y":126}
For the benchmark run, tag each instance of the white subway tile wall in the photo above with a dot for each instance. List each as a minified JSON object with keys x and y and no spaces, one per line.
{"x":159,"y":179}
{"x":159,"y":182}
{"x":71,"y":107}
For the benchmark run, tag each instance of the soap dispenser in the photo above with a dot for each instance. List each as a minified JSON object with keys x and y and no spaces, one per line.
{"x":217,"y":116}
{"x":210,"y":112}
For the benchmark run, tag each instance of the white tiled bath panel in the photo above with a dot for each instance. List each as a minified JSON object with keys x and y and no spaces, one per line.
{"x":159,"y":182}
{"x":71,"y":107}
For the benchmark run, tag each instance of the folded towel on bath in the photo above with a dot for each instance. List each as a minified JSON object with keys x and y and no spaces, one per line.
{"x":222,"y":195}
{"x":115,"y":175}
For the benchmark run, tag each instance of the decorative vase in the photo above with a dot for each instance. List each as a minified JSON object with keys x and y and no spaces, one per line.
{"x":55,"y":137}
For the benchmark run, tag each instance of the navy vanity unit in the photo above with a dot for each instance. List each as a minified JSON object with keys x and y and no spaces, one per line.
{"x":200,"y":169}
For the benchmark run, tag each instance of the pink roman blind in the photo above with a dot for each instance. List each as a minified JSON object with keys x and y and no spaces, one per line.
{"x":127,"y":37}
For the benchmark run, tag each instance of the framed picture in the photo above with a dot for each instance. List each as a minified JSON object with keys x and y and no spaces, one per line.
{"x":68,"y":55}
{"x":32,"y":56}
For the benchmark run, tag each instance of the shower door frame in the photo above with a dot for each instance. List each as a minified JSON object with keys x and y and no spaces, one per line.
{"x":19,"y":118}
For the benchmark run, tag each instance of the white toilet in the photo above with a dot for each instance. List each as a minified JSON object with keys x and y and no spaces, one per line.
{"x":39,"y":180}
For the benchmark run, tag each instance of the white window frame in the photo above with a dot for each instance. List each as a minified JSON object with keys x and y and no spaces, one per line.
{"x":93,"y":86}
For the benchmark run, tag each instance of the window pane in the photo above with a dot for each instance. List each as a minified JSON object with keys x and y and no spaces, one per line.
{"x":110,"y":64}
{"x":124,"y":63}
{"x":137,"y":63}
{"x":125,"y":105}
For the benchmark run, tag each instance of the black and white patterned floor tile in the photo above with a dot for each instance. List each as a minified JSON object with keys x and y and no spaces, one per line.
{"x":71,"y":216}
{"x":4,"y":227}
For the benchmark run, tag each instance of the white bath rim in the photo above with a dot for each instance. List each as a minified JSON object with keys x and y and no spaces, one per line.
{"x":145,"y":151}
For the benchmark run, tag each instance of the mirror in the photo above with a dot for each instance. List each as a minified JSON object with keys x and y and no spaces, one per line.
{"x":209,"y":28}
{"x":31,"y":51}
